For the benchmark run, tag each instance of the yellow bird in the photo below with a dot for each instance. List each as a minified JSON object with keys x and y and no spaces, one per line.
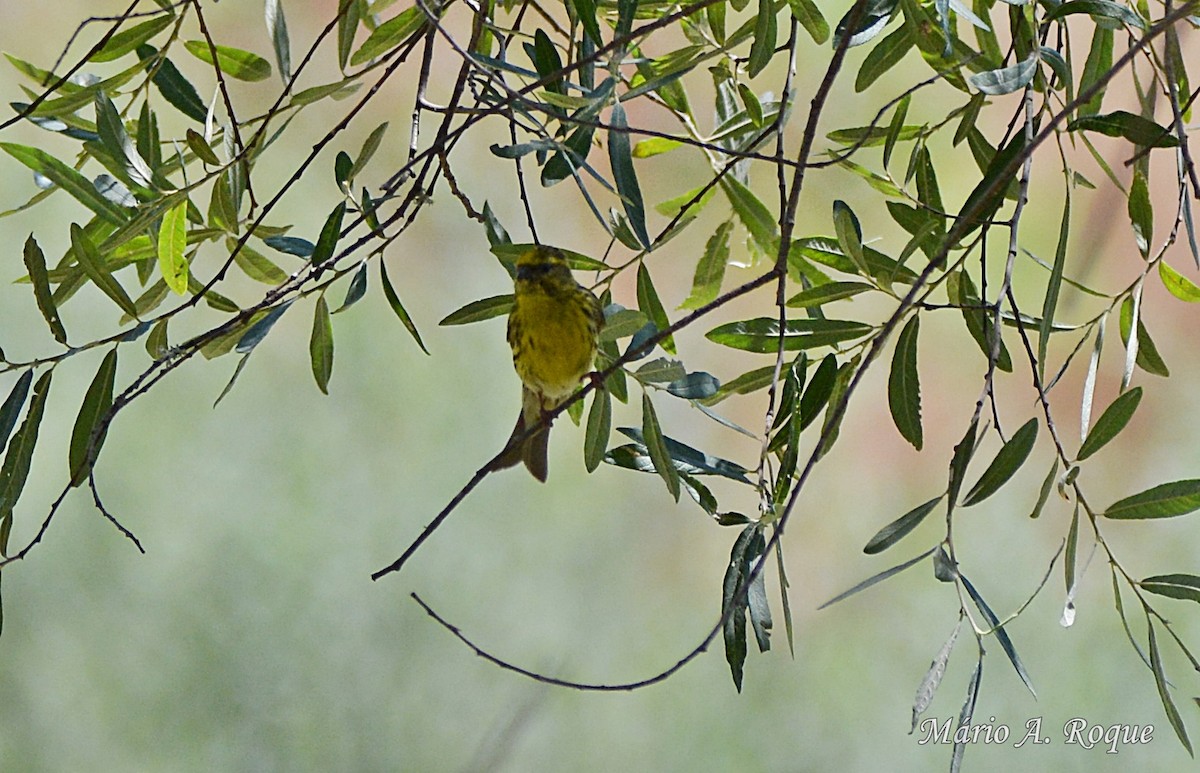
{"x":552,"y":330}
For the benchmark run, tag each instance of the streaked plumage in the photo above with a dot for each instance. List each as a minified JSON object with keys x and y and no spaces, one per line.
{"x":552,"y":330}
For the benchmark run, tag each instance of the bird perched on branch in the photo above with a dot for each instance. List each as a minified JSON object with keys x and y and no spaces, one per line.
{"x":552,"y":330}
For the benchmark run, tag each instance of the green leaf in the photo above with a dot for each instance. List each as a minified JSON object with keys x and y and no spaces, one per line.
{"x":1054,"y":285}
{"x":621,"y":323}
{"x":15,"y":469}
{"x":657,"y":447}
{"x":1165,"y":500}
{"x":762,"y":43}
{"x":963,"y":452}
{"x":197,"y":144}
{"x":71,"y":181}
{"x":1009,"y":459}
{"x":320,"y":345}
{"x":904,"y":386}
{"x":233,"y":62}
{"x":828,"y":252}
{"x":985,"y":198}
{"x":1164,"y":692}
{"x":809,"y":15}
{"x":733,"y":604}
{"x":663,"y":370}
{"x":746,"y":383}
{"x":1098,"y":9}
{"x":172,"y":84}
{"x":157,"y":343}
{"x":849,"y":234}
{"x":1178,"y":284}
{"x":394,"y":301}
{"x":389,"y":35}
{"x":172,"y":241}
{"x":961,"y":291}
{"x":762,"y":335}
{"x":1148,"y":358}
{"x":877,"y":578}
{"x":710,"y":270}
{"x":258,"y":266}
{"x":277,"y":26}
{"x":1138,"y":130}
{"x":356,"y":290}
{"x":1001,"y":634}
{"x":256,"y":332}
{"x":651,"y":306}
{"x":585,"y":11}
{"x":818,"y":295}
{"x":349,"y":15}
{"x":127,"y":40}
{"x":694,"y":386}
{"x":35,"y":264}
{"x":1111,"y":422}
{"x":599,"y":427}
{"x":12,"y":406}
{"x":621,"y":159}
{"x":1176,"y":586}
{"x":96,"y":270}
{"x":370,"y":145}
{"x":1006,"y":80}
{"x":886,"y":54}
{"x":1141,"y":211}
{"x":871,"y":20}
{"x":116,"y":140}
{"x":754,"y":215}
{"x":1099,"y":62}
{"x":327,"y":241}
{"x":97,"y":402}
{"x":685,"y":459}
{"x":1047,"y":486}
{"x":477,"y":311}
{"x":892,"y":533}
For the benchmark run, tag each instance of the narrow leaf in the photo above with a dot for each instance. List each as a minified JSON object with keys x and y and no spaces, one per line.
{"x":892,"y":533}
{"x":1111,"y":422}
{"x":277,"y":27}
{"x":96,"y":270}
{"x":233,"y":62}
{"x":1176,"y":586}
{"x":85,"y":443}
{"x":1009,"y":459}
{"x":1178,"y":284}
{"x":651,"y":306}
{"x":327,"y":241}
{"x":15,"y":469}
{"x":35,"y":264}
{"x":657,"y":448}
{"x":172,"y":241}
{"x":621,"y":158}
{"x":904,"y":386}
{"x":1164,"y":693}
{"x":1165,"y":500}
{"x":258,"y":331}
{"x":599,"y":426}
{"x":389,"y":35}
{"x":1001,"y":635}
{"x":933,"y":677}
{"x":873,"y":579}
{"x":320,"y":345}
{"x":710,"y":270}
{"x":12,"y":406}
{"x":71,"y":181}
{"x":476,"y":311}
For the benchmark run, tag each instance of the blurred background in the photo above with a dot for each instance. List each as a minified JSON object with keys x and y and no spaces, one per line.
{"x":250,"y":637}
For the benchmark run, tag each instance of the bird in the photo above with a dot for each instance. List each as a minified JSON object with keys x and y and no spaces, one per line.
{"x":553,"y":329}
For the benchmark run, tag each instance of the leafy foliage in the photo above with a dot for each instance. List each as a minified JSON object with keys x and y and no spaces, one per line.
{"x":169,"y":200}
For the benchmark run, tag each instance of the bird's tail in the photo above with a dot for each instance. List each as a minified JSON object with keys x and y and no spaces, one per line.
{"x":531,"y":450}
